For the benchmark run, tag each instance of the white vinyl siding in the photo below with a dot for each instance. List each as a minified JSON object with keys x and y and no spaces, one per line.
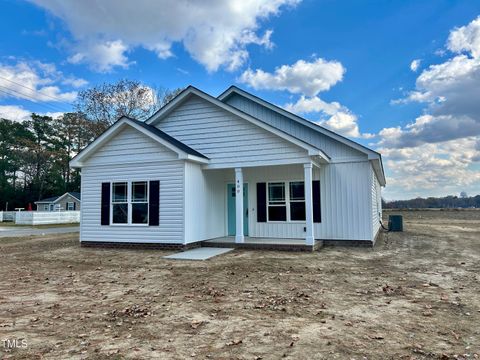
{"x":345,"y":201}
{"x":130,"y":146}
{"x":227,"y":139}
{"x":376,"y":203}
{"x":335,"y":149}
{"x":169,"y":172}
{"x":170,"y":229}
{"x":205,"y":203}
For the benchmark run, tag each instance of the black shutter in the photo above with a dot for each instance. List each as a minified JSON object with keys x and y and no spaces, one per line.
{"x":154,"y":203}
{"x":74,"y":205}
{"x":317,"y":211}
{"x":105,"y":211}
{"x":261,"y":202}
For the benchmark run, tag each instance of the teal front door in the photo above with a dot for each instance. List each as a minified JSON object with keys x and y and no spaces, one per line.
{"x":232,"y":223}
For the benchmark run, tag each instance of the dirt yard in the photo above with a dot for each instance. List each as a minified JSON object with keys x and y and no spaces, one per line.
{"x":416,"y":295}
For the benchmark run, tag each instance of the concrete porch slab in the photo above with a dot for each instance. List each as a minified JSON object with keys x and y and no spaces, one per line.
{"x":203,"y":253}
{"x":262,"y":244}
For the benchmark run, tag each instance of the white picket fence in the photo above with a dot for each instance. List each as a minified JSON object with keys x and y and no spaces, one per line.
{"x":7,"y":216}
{"x":41,"y":217}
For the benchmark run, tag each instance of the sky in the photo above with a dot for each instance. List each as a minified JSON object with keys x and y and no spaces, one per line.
{"x":401,"y":77}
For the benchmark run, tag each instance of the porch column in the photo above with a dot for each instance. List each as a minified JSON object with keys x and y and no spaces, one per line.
{"x":239,"y":238}
{"x":309,"y":239}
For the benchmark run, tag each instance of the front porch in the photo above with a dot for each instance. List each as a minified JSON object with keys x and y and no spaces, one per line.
{"x":280,"y":206}
{"x":257,"y":243}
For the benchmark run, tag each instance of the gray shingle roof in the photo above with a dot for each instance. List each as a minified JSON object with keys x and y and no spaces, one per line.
{"x":75,"y":194}
{"x":54,"y":198}
{"x":49,"y":199}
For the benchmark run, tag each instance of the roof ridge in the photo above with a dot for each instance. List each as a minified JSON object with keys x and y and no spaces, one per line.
{"x":289,"y":114}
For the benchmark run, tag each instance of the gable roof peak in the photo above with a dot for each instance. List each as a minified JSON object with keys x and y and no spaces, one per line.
{"x":183,"y":150}
{"x":372,"y":154}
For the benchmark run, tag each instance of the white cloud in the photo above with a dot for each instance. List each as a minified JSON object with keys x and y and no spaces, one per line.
{"x":415,"y":64}
{"x":14,"y":113}
{"x":333,"y":115}
{"x":103,"y":56}
{"x":303,"y":77}
{"x":309,"y":78}
{"x":306,"y":105}
{"x":432,"y":169}
{"x":75,"y":82}
{"x":36,"y":81}
{"x":215,"y":33}
{"x":466,"y":38}
{"x":450,"y":90}
{"x":345,"y":123}
{"x":439,"y":152}
{"x":20,"y":114}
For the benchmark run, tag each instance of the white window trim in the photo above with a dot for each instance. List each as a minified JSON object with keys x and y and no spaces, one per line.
{"x":46,"y":207}
{"x":129,"y":203}
{"x":287,"y":202}
{"x":68,"y":206}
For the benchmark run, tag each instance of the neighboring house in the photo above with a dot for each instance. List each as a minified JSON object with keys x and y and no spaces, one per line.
{"x":67,"y":202}
{"x":204,"y":168}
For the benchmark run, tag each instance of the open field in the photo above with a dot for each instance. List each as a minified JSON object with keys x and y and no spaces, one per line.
{"x":416,"y":295}
{"x":17,"y":233}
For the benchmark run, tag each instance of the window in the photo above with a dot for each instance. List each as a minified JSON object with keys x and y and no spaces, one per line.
{"x":297,"y":201}
{"x":120,"y":203}
{"x":45,"y":207}
{"x":286,"y":201}
{"x":277,"y":208}
{"x":130,"y":203}
{"x":140,"y":202}
{"x":70,"y":206}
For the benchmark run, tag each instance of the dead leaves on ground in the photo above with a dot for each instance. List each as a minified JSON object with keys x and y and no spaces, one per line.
{"x":134,"y":311}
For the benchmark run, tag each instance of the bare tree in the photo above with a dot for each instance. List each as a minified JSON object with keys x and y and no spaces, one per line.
{"x":106,"y":103}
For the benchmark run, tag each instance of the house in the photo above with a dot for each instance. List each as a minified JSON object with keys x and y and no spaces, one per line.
{"x":67,"y":202}
{"x":235,"y":169}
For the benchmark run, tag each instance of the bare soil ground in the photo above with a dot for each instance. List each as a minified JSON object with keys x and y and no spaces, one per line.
{"x":416,"y":295}
{"x":13,"y":225}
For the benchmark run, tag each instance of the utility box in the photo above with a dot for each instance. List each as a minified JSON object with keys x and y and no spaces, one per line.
{"x":395,"y":222}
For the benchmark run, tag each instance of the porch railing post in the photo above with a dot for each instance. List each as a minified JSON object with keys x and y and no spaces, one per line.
{"x":310,"y":238}
{"x":239,"y":238}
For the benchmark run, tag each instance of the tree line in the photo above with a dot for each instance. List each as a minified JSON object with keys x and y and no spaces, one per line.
{"x":35,"y":154}
{"x":435,"y":202}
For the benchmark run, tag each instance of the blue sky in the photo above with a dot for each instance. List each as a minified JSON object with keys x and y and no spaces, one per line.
{"x":345,"y":65}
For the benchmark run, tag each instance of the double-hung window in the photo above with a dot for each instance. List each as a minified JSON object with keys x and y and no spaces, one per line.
{"x":139,"y":202}
{"x":130,"y":203}
{"x":277,"y":206}
{"x":297,"y":201}
{"x":120,"y":203}
{"x":70,"y":206}
{"x":286,"y":201}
